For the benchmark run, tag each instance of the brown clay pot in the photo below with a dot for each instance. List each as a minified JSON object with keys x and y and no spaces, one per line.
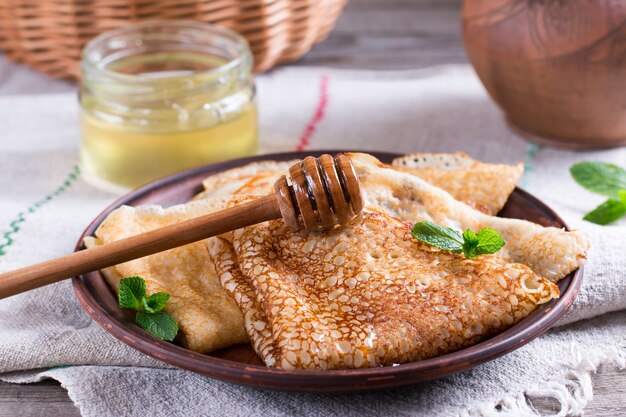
{"x":556,"y":67}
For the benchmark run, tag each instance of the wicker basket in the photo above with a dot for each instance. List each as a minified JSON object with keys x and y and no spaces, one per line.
{"x":48,"y":34}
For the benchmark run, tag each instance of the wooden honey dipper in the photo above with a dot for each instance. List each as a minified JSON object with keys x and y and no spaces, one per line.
{"x":324,"y":192}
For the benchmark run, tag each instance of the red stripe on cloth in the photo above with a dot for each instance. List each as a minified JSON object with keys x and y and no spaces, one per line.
{"x":322,"y":103}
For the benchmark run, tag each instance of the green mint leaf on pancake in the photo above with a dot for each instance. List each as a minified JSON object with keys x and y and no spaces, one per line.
{"x":607,"y":212}
{"x":440,"y":237}
{"x":489,"y":241}
{"x":132,"y":296}
{"x":600,"y":177}
{"x":470,"y":244}
{"x":622,"y":196}
{"x":486,"y":241}
{"x":131,"y":293}
{"x":159,"y":324}
{"x":155,"y":302}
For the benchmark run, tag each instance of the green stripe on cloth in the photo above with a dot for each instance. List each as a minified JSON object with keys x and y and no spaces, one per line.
{"x":529,"y":163}
{"x":16,"y":224}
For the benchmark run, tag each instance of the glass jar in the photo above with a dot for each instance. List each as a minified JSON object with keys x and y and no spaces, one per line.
{"x":162,"y":96}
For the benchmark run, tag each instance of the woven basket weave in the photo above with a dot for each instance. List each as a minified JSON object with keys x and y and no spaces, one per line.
{"x":48,"y":35}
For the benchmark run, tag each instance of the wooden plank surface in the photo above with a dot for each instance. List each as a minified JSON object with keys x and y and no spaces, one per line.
{"x":392,"y":34}
{"x":49,"y":399}
{"x":372,"y":34}
{"x":45,"y":399}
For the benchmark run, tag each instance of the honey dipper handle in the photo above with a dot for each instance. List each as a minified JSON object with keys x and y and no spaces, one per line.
{"x":193,"y":230}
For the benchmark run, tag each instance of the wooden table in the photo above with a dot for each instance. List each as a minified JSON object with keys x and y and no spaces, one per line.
{"x":373,"y":34}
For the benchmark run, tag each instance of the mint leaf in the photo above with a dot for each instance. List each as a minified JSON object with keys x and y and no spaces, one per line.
{"x":486,"y":241}
{"x":600,"y":177}
{"x":441,"y":237}
{"x":607,"y":212}
{"x":622,"y":196}
{"x":132,"y":295}
{"x":132,"y":291}
{"x":155,"y":302}
{"x":489,"y":241}
{"x":160,"y":324}
{"x":470,"y":237}
{"x":470,"y":244}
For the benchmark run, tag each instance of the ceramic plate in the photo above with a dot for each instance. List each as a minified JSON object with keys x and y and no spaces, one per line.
{"x":239,"y":364}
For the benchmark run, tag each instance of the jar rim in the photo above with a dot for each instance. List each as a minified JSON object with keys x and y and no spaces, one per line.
{"x":242,"y":48}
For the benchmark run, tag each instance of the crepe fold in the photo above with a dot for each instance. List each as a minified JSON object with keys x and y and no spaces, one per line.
{"x":208,"y":318}
{"x":369,"y":294}
{"x":550,"y":252}
{"x":485,"y":187}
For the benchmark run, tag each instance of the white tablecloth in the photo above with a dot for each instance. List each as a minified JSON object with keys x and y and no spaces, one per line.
{"x":45,"y":204}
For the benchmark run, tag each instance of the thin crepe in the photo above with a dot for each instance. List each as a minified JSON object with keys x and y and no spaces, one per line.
{"x":369,"y":294}
{"x":485,"y":187}
{"x":256,"y":178}
{"x":550,"y":252}
{"x":208,"y":318}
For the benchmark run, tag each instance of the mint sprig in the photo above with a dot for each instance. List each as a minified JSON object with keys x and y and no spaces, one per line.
{"x":132,"y":296}
{"x":600,"y":177}
{"x":132,"y":291}
{"x":444,"y":238}
{"x":472,"y":245}
{"x":159,"y":324}
{"x":605,"y":179}
{"x":155,"y":302}
{"x":607,"y":212}
{"x":486,"y":241}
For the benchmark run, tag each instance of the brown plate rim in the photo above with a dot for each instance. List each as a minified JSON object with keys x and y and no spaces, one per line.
{"x":528,"y":329}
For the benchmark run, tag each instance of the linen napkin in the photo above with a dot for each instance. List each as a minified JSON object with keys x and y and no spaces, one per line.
{"x":45,"y":204}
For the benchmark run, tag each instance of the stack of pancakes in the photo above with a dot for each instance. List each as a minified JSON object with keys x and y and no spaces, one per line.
{"x":359,"y":296}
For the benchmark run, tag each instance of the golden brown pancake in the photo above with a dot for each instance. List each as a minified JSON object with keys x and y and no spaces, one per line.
{"x":208,"y":318}
{"x":483,"y":186}
{"x":239,"y":181}
{"x":550,"y":252}
{"x":367,"y":295}
{"x":370,"y":294}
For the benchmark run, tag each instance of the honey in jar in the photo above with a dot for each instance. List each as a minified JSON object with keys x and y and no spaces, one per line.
{"x":160,"y":97}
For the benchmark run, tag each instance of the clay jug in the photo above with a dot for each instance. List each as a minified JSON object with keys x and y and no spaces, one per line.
{"x":557,"y":68}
